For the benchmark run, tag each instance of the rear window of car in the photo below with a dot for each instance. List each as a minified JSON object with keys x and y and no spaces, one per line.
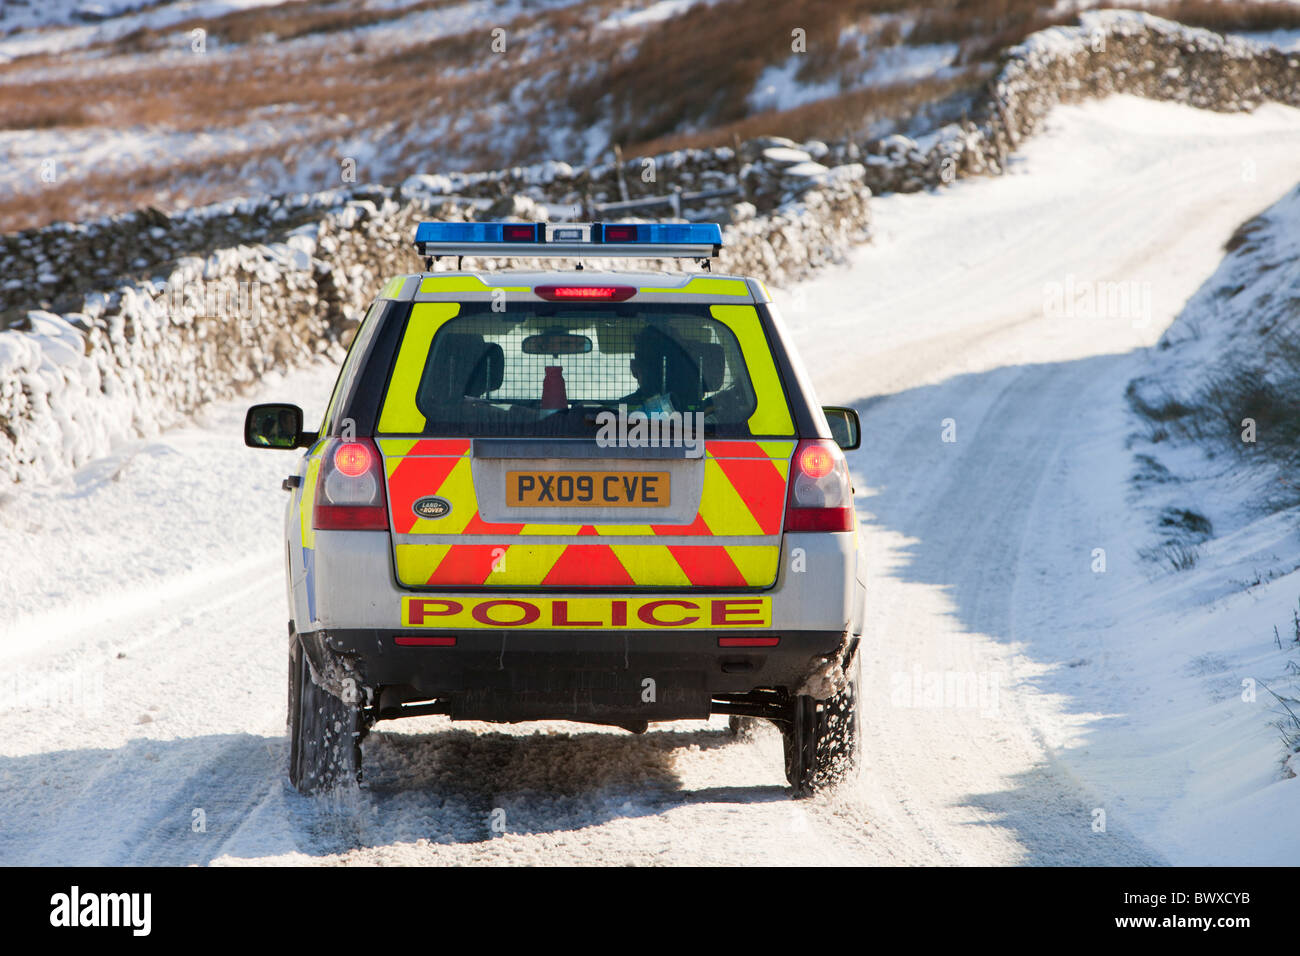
{"x":351,"y":364}
{"x":551,"y":369}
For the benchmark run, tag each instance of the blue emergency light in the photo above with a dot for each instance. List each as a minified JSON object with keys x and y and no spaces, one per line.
{"x":642,"y":240}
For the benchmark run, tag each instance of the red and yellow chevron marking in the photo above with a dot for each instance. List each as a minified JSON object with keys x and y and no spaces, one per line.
{"x":570,"y":566}
{"x":743,"y":495}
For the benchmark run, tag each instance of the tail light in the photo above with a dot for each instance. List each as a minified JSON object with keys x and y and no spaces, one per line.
{"x":350,"y":488}
{"x":821,"y":494}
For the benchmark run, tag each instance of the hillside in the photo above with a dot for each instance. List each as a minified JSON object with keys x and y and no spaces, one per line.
{"x":106,"y":107}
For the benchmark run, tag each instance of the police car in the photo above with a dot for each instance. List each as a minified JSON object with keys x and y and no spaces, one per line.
{"x":607,"y":497}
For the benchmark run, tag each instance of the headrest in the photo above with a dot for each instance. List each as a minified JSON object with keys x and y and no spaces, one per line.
{"x":712,"y":362}
{"x":462,"y":364}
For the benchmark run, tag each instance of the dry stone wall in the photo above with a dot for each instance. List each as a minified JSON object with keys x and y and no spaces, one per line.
{"x":1111,"y":51}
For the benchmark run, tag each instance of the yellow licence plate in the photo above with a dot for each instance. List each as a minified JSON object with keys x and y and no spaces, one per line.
{"x":587,"y":489}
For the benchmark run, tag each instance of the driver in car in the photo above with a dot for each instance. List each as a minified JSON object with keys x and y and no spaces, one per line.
{"x":667,"y":380}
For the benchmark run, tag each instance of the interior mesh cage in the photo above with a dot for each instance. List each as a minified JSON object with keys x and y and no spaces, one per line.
{"x":528,"y":361}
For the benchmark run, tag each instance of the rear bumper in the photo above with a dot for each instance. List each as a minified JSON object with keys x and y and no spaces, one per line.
{"x":598,"y":674}
{"x":604,"y":676}
{"x":353,"y":586}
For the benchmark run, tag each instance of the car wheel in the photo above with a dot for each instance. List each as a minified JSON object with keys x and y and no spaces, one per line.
{"x":821,"y":739}
{"x":324,"y":731}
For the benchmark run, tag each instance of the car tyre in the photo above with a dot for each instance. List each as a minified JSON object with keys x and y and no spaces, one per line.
{"x":324,"y":731}
{"x":821,"y":738}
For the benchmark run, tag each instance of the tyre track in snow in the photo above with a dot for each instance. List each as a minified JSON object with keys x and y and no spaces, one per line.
{"x":163,"y":742}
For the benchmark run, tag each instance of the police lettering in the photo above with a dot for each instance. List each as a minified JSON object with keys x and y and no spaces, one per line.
{"x":569,"y":613}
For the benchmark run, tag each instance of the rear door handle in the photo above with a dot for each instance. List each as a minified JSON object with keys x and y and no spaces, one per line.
{"x":292,"y":482}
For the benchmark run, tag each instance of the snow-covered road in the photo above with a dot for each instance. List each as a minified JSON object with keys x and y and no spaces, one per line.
{"x":142,"y":605}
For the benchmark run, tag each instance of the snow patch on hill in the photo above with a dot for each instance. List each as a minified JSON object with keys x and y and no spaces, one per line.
{"x":656,"y":12}
{"x":54,"y":26}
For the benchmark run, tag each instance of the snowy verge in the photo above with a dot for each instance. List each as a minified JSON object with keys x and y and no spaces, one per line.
{"x":1221,"y":392}
{"x":1214,"y":455}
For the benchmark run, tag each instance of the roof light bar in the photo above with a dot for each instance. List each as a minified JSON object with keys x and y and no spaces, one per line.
{"x":519,"y":232}
{"x":696,"y":240}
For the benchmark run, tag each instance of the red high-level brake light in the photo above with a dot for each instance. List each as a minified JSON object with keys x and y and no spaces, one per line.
{"x":586,"y":293}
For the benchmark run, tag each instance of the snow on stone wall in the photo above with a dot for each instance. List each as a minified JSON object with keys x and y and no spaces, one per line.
{"x":141,"y":354}
{"x":1111,"y":51}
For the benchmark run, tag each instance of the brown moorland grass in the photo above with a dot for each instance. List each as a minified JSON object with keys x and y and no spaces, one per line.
{"x":699,"y":68}
{"x":1225,"y":15}
{"x":210,"y":93}
{"x":43,"y":112}
{"x":221,"y":90}
{"x":338,"y":97}
{"x":190,"y":183}
{"x":848,"y":114}
{"x":684,"y":82}
{"x":417,"y":87}
{"x":986,"y":27}
{"x":963,"y":21}
{"x":288,"y":21}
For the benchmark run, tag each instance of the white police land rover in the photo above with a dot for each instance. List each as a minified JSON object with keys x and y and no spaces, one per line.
{"x":607,"y":497}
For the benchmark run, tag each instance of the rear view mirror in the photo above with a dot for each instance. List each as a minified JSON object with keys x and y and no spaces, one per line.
{"x":274,"y":426}
{"x":846,"y":430}
{"x":556,"y":343}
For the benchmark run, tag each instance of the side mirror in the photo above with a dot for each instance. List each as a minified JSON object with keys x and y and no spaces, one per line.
{"x":845,"y":427}
{"x":275,"y":426}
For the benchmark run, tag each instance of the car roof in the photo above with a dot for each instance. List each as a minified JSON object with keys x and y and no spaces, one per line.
{"x":694,"y":286}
